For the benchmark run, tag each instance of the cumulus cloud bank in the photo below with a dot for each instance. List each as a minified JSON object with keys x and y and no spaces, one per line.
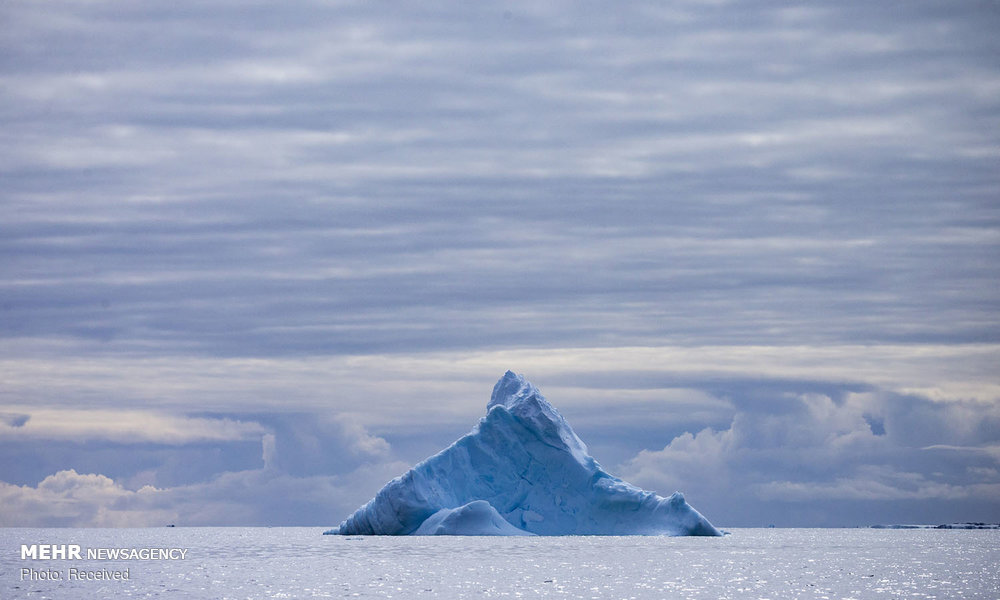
{"x":264,"y":495}
{"x":818,"y":456}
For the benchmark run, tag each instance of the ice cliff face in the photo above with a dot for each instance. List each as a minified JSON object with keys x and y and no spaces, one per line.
{"x":524,"y":464}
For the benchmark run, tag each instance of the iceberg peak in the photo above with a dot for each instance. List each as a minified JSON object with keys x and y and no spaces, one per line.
{"x":523,"y":400}
{"x":523,"y":466}
{"x":511,"y":389}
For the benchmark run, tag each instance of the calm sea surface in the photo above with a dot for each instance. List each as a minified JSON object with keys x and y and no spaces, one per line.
{"x":242,"y":563}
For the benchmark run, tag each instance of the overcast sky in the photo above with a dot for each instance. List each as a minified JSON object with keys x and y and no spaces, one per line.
{"x":258,"y":258}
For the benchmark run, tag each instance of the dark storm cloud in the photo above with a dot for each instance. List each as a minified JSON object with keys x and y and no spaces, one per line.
{"x":344,"y":210}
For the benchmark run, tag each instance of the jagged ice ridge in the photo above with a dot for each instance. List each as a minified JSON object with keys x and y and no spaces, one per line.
{"x":522,"y":470}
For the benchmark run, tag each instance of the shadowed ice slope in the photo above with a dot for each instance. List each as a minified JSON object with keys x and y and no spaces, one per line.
{"x":525,"y":460}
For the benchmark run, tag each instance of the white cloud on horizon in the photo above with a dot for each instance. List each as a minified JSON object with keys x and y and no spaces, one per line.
{"x":68,"y":498}
{"x":256,"y":497}
{"x":262,"y":496}
{"x":812,"y":449}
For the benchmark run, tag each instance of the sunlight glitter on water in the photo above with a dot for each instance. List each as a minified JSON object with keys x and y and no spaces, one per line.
{"x":242,"y":563}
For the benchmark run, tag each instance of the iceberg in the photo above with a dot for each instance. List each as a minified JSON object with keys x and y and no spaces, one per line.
{"x":475,"y":518}
{"x":521,"y":470}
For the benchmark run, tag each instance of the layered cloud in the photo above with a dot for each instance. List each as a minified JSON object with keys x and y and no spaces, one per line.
{"x":354,"y":182}
{"x":124,"y":426}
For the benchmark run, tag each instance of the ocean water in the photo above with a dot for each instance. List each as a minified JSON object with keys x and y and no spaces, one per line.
{"x":241,"y":563}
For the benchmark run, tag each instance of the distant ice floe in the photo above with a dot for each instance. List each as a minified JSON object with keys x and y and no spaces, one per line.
{"x":522,"y":470}
{"x":943,"y":526}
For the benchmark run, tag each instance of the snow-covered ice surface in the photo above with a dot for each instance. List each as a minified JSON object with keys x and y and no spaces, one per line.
{"x":525,"y":461}
{"x":241,"y":563}
{"x":475,"y":518}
